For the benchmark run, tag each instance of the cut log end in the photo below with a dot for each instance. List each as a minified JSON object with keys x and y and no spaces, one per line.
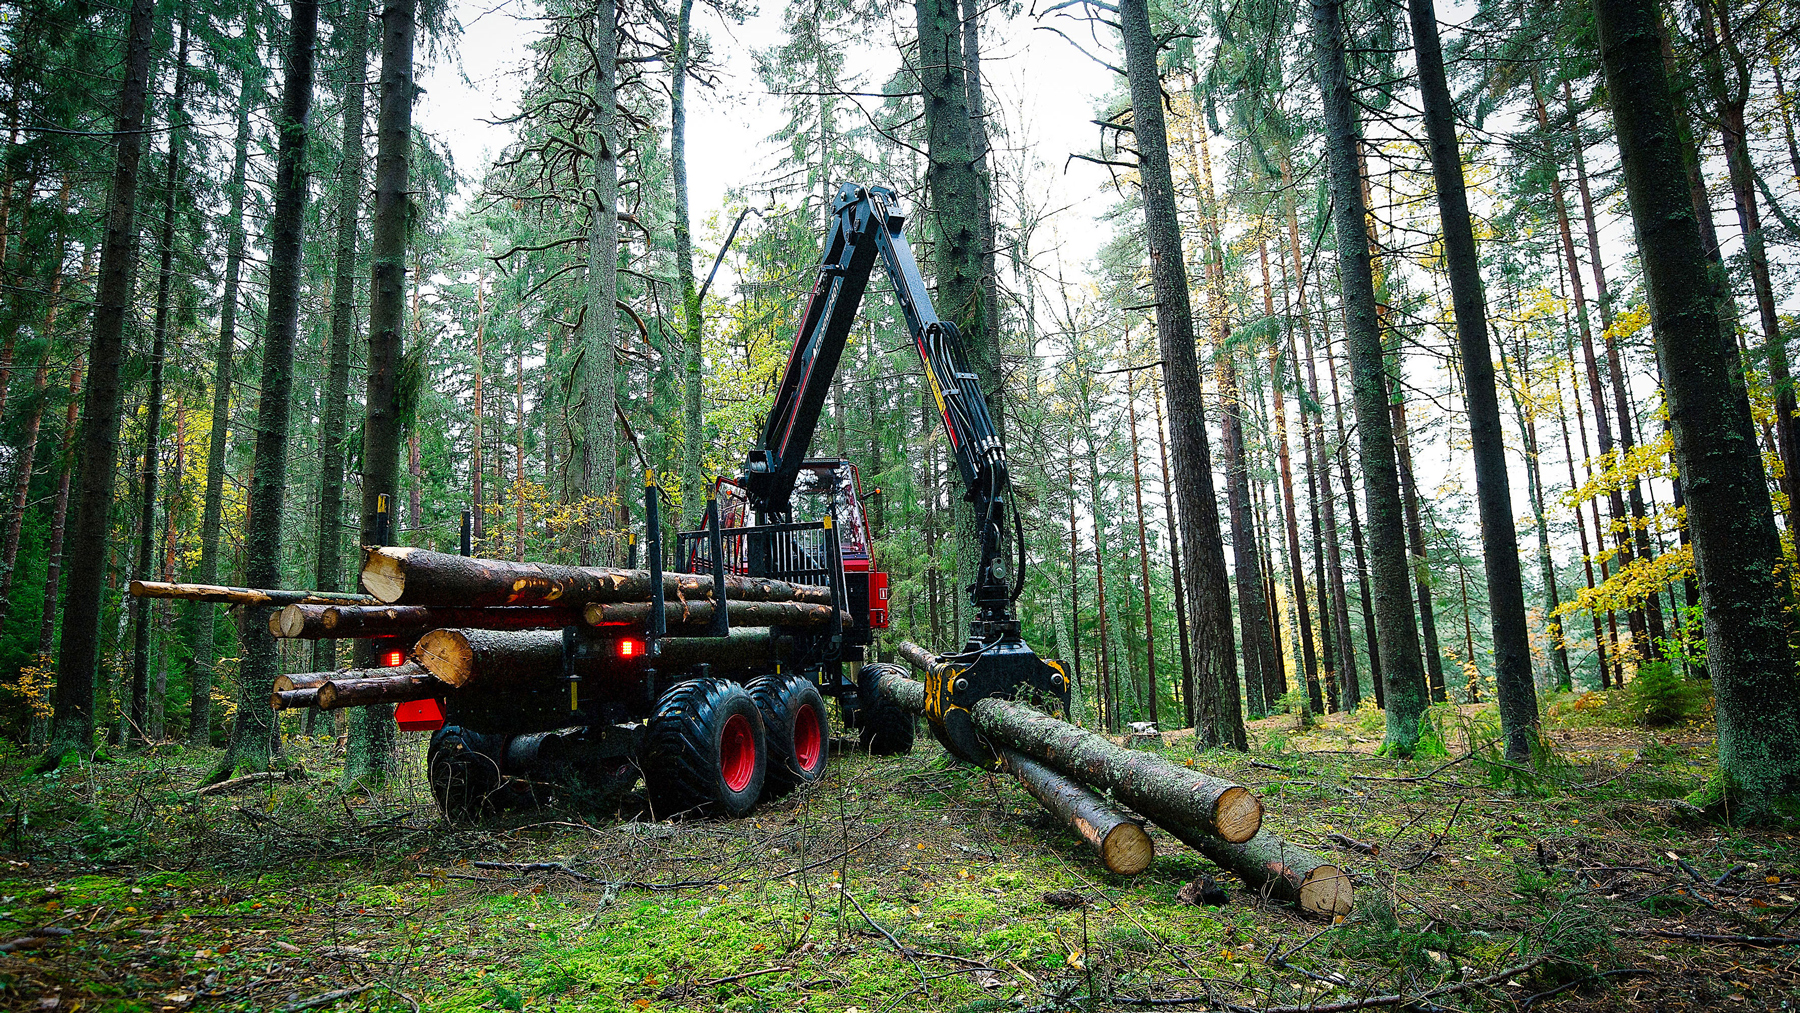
{"x":286,"y":623}
{"x":384,"y":573}
{"x":1238,"y":815}
{"x":447,"y":655}
{"x":1127,"y":850}
{"x":1326,"y":891}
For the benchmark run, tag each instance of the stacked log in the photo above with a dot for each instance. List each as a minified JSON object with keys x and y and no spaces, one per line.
{"x":339,"y":622}
{"x":243,"y":595}
{"x":407,"y":576}
{"x":498,"y":658}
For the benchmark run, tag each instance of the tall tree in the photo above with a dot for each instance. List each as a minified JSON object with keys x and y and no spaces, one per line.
{"x":1219,"y":717}
{"x":80,"y":649}
{"x":596,"y":375}
{"x":693,"y":503}
{"x":1402,"y":671}
{"x":1499,"y":539}
{"x":369,"y":757}
{"x":253,"y":734}
{"x":137,"y":718}
{"x":1743,"y":582}
{"x":329,"y":564}
{"x":202,"y":615}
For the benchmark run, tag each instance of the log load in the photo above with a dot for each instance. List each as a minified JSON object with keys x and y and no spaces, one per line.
{"x":1192,"y":805}
{"x":313,"y":680}
{"x":305,"y":680}
{"x":698,"y":613}
{"x":293,"y":699}
{"x":1284,"y":871}
{"x":244,"y":595}
{"x":334,"y":622}
{"x":1121,"y":845}
{"x":498,"y":658}
{"x":410,"y":576}
{"x":399,"y":688}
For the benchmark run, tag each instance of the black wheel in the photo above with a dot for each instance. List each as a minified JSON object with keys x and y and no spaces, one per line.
{"x":886,"y":729}
{"x":796,"y":728}
{"x":464,"y":775}
{"x":706,"y":751}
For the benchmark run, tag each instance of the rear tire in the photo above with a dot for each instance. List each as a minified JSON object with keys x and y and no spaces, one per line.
{"x":797,"y":730}
{"x":707,"y":750}
{"x":887,"y":730}
{"x":464,"y":774}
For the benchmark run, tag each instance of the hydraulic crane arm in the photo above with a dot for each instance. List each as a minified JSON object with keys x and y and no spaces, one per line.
{"x":867,"y":223}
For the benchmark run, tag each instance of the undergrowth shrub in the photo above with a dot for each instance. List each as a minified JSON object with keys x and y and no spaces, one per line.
{"x":1659,"y":697}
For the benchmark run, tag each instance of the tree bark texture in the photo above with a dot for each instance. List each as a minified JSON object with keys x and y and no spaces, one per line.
{"x":243,"y":595}
{"x":1403,"y":675}
{"x":1284,"y":872}
{"x":1736,"y":550}
{"x":1499,"y":538}
{"x":495,"y":658}
{"x":596,"y":376}
{"x":328,"y":622}
{"x":692,"y":332}
{"x":1119,"y":843}
{"x":407,"y":576}
{"x":79,"y":652}
{"x":1219,"y":715}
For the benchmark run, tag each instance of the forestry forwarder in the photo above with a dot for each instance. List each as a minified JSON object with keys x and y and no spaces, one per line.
{"x":708,"y":727}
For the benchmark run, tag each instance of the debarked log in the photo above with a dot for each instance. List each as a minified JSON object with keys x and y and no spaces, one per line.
{"x":1192,"y":805}
{"x":1285,"y":871}
{"x":496,"y":658}
{"x":411,"y":576}
{"x":400,"y":688}
{"x":1121,"y":844}
{"x":243,"y":595}
{"x":695,"y":613}
{"x":333,"y":622}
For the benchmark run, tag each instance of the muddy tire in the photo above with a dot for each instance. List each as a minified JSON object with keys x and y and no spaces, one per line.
{"x":464,"y":773}
{"x":707,"y":751}
{"x":797,"y":730}
{"x":887,"y":730}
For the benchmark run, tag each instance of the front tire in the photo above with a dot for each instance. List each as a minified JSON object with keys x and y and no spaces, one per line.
{"x":707,"y":751}
{"x":887,"y":730}
{"x":798,"y":732}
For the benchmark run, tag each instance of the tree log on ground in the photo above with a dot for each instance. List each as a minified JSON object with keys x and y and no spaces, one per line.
{"x":244,"y":595}
{"x":1121,"y":844}
{"x":332,"y":622}
{"x":493,"y":658}
{"x":1284,"y":871}
{"x":696,"y":613}
{"x":1188,"y":803}
{"x":408,"y":576}
{"x":382,"y":689}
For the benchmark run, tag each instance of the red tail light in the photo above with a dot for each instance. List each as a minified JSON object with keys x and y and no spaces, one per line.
{"x":393,"y":659}
{"x":631,"y":648}
{"x":419,"y":716}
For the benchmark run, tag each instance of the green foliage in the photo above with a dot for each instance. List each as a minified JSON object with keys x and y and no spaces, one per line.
{"x":1659,"y":697}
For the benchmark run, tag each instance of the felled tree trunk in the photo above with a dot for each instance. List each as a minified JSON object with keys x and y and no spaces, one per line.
{"x":406,"y":576}
{"x":741,"y":613}
{"x":293,"y":699}
{"x":244,"y":595}
{"x":1121,"y":844}
{"x":326,"y":622}
{"x":1285,"y":872}
{"x":398,"y":688}
{"x":495,"y":658}
{"x":1189,"y":804}
{"x":313,"y":680}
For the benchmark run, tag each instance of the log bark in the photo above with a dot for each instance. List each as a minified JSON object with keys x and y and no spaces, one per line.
{"x":398,"y":688}
{"x":303,"y":680}
{"x":313,"y":680}
{"x":244,"y":595}
{"x":1188,"y":803}
{"x":1283,"y":872}
{"x":1122,"y":845}
{"x":293,"y":699}
{"x":492,"y":658}
{"x":907,"y":694}
{"x":405,"y":576}
{"x":326,"y":622}
{"x":740,"y":613}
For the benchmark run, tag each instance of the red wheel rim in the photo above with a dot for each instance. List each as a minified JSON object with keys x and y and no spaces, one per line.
{"x":737,"y":752}
{"x":809,"y":738}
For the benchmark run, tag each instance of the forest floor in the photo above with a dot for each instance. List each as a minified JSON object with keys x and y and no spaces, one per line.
{"x":904,"y":883}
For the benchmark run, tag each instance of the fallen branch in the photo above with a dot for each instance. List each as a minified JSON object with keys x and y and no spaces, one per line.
{"x":1713,"y":937}
{"x":1347,"y":1006}
{"x":238,"y":782}
{"x":330,"y":997}
{"x":1626,"y":972}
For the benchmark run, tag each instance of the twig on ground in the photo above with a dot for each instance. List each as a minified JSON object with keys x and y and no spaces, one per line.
{"x":1354,"y":844}
{"x":1714,"y":937}
{"x":239,"y":782}
{"x":328,"y":998}
{"x":889,"y":936}
{"x":680,"y":991}
{"x":1428,"y":775}
{"x":1567,"y":985}
{"x":1347,"y":1006}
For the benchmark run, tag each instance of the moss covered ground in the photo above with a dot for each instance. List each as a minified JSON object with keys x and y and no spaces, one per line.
{"x":905,"y":883}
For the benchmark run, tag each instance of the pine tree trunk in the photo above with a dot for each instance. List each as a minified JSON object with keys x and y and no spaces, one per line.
{"x":596,"y":376}
{"x":1253,"y":609}
{"x":255,"y":731}
{"x":1499,"y":538}
{"x":984,"y":205}
{"x":1315,"y":699}
{"x":1415,"y":540}
{"x":369,"y":756}
{"x":59,"y":511}
{"x":1181,"y":607}
{"x":329,"y":547}
{"x":1137,"y":489}
{"x":1350,"y":684}
{"x":1219,"y":716}
{"x":79,"y":653}
{"x":1364,"y":597}
{"x":1736,"y":549}
{"x":1406,"y":694}
{"x":693,"y":422}
{"x":1534,"y":483}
